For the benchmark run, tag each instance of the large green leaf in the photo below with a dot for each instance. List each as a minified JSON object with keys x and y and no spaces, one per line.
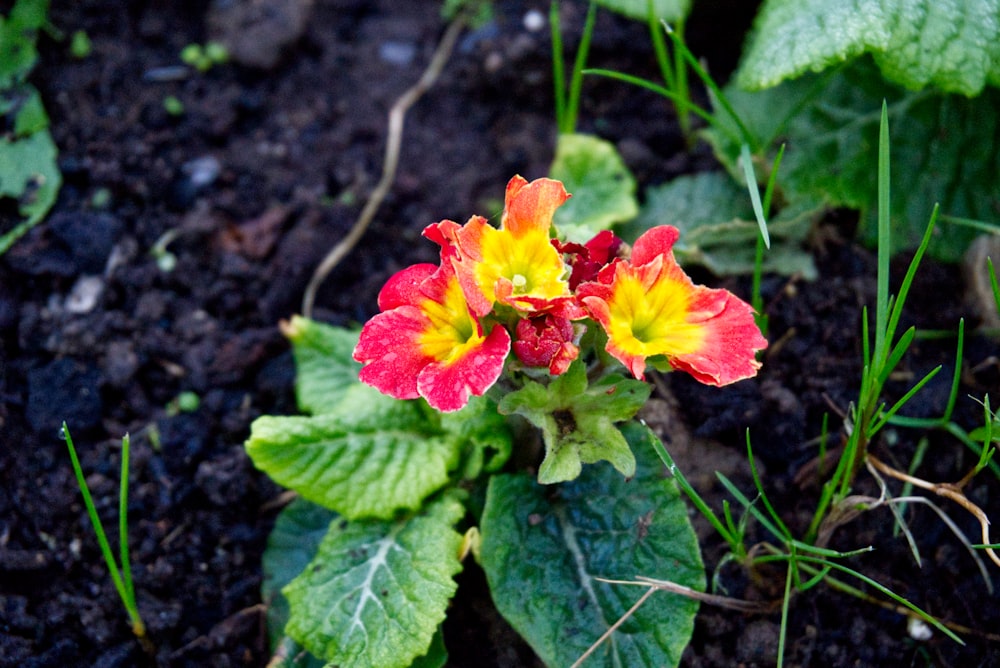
{"x":376,"y":592}
{"x":668,"y":10}
{"x":543,"y":550}
{"x":952,"y":45}
{"x":324,"y":364}
{"x":577,"y":421}
{"x":602,"y":188}
{"x":942,"y":151}
{"x":718,"y":229}
{"x":292,"y":544}
{"x":372,"y":458}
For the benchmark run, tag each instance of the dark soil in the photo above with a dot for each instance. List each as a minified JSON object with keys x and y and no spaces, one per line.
{"x":266,"y":169}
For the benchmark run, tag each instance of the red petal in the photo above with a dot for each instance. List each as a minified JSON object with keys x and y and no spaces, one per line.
{"x":531,"y":205}
{"x":389,"y":350}
{"x":731,"y":343}
{"x":403,"y":289}
{"x":654,"y":241}
{"x":448,"y":387}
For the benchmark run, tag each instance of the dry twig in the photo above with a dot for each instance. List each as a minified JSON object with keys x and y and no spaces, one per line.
{"x":395,"y":137}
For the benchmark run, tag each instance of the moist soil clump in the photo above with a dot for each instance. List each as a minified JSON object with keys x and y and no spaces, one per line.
{"x":180,"y":240}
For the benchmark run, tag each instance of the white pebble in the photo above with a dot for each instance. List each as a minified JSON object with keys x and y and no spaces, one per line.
{"x":534,"y":21}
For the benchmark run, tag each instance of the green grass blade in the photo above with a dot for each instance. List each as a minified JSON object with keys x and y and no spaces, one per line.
{"x":660,"y":90}
{"x":887,"y":592}
{"x":558,"y":67}
{"x":576,"y":81}
{"x":745,"y":135}
{"x":95,"y":520}
{"x":758,"y":210}
{"x":693,"y":495}
{"x":993,"y":282}
{"x":884,"y":241}
{"x":885,"y":417}
{"x":760,"y":490}
{"x":911,"y":272}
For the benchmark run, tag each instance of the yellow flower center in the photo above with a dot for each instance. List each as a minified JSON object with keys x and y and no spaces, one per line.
{"x":451,"y":331}
{"x":654,"y":321}
{"x":529,"y":262}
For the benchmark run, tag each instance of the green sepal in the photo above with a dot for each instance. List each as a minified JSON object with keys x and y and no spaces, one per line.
{"x":543,"y":553}
{"x":376,"y":592}
{"x":577,"y":421}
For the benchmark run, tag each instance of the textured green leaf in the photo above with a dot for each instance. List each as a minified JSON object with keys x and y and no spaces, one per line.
{"x":577,"y":421}
{"x":602,"y":187}
{"x":385,"y":456}
{"x":291,"y":546}
{"x":324,"y":364}
{"x":543,"y":552}
{"x":376,"y":592}
{"x":942,"y":150}
{"x":952,"y":45}
{"x":718,"y":229}
{"x":668,"y":10}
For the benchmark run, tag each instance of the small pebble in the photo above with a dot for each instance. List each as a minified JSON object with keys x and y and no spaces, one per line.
{"x":85,"y":294}
{"x":202,"y":171}
{"x":534,"y":21}
{"x":397,"y":53}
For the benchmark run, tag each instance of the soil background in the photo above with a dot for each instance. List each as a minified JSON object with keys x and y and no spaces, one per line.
{"x":267,"y":167}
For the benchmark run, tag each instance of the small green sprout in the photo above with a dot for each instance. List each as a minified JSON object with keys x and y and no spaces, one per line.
{"x":185,"y":402}
{"x":173,"y":105}
{"x":203,"y":58}
{"x":79,"y":45}
{"x":121,"y":574}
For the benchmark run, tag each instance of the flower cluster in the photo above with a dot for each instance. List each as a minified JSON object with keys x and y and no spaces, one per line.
{"x":445,"y":331}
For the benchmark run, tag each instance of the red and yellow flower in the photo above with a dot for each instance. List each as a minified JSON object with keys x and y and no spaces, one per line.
{"x":516,"y":264}
{"x":427,"y":342}
{"x":649,"y":307}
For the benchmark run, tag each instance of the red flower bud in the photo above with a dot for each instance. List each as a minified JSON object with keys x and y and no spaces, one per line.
{"x":546,"y":341}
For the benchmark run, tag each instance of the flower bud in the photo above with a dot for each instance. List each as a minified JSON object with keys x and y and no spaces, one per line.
{"x":546,"y":341}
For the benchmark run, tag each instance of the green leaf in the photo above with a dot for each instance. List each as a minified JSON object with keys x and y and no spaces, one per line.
{"x":376,"y":592}
{"x":602,"y":188}
{"x":916,"y":43}
{"x":718,"y":230}
{"x":577,"y":421}
{"x":324,"y":365}
{"x":543,"y":552}
{"x":668,"y":10}
{"x":18,"y":32}
{"x":30,"y":175}
{"x":378,"y":458}
{"x":485,"y":431}
{"x":291,"y":546}
{"x":942,"y":152}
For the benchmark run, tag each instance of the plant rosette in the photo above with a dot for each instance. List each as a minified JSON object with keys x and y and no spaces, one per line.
{"x":412,"y":423}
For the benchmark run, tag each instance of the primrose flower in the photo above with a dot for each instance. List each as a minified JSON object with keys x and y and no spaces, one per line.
{"x":427,"y":342}
{"x":515,"y":265}
{"x":546,"y":341}
{"x":648,"y":306}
